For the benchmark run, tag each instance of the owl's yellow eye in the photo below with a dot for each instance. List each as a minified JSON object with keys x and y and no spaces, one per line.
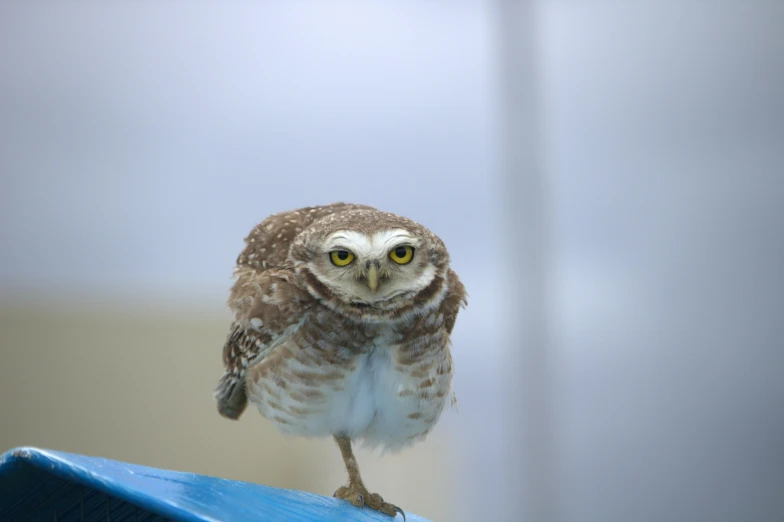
{"x":341,"y":257}
{"x":402,"y":255}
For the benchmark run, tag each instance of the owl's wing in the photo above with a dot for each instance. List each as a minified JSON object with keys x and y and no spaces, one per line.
{"x":456,"y":298}
{"x":268,"y":308}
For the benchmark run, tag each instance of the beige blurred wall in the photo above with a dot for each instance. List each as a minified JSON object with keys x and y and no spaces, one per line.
{"x":134,"y":382}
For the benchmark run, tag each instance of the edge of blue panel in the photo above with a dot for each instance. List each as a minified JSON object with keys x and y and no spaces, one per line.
{"x":188,"y":496}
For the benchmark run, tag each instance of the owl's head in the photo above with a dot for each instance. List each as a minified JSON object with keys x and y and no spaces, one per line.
{"x":367,"y":258}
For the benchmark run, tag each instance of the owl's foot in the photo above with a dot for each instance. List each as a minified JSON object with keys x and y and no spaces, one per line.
{"x":360,"y":497}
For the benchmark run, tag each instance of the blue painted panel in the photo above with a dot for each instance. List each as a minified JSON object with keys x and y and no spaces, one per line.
{"x":38,"y":484}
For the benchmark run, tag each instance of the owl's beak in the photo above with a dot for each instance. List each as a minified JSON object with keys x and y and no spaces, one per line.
{"x":372,"y":278}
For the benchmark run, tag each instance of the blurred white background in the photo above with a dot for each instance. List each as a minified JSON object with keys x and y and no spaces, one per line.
{"x":608,"y":177}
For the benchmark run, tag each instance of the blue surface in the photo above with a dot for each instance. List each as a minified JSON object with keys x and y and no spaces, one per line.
{"x":37,"y":484}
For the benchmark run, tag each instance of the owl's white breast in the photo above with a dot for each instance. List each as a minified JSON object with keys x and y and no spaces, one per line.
{"x":373,"y":407}
{"x":379,"y":403}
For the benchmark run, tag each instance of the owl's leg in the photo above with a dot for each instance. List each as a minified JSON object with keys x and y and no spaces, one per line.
{"x":356,"y":492}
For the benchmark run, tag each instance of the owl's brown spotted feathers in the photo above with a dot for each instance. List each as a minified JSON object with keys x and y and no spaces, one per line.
{"x":266,"y":305}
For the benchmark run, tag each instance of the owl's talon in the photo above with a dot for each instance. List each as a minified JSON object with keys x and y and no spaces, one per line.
{"x":361,"y":498}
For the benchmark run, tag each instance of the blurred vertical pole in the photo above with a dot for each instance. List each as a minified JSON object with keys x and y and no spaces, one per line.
{"x":529,"y":479}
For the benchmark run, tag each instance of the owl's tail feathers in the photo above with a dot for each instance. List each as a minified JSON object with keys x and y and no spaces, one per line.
{"x":231,"y":397}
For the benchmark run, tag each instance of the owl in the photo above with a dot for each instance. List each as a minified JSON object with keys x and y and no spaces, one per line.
{"x":342,"y":323}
